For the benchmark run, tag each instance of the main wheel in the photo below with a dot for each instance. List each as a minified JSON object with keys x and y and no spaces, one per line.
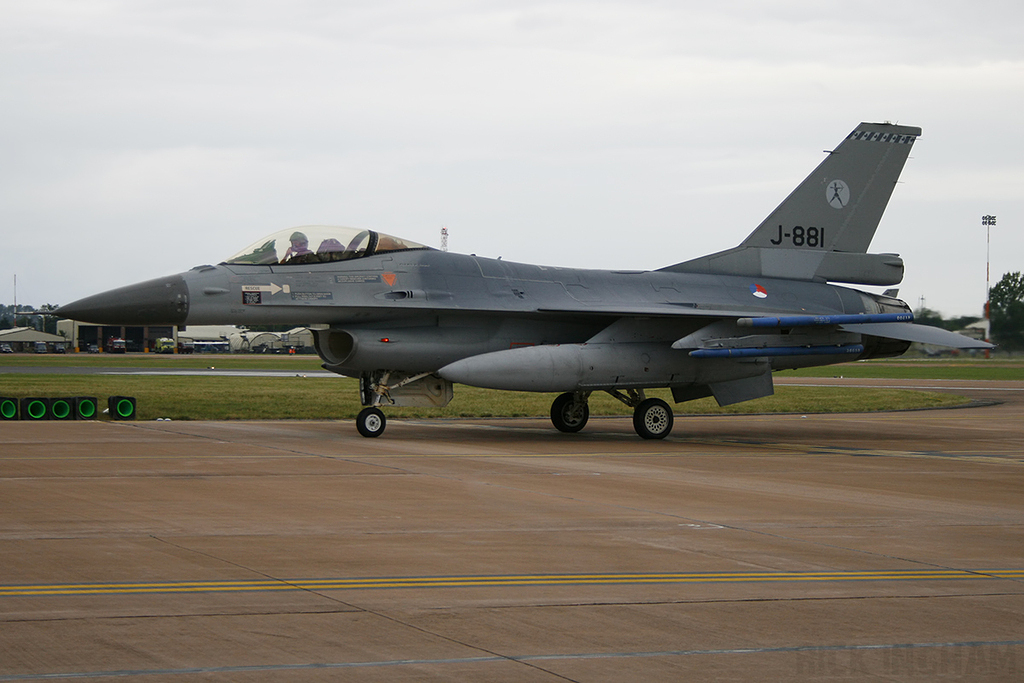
{"x":652,"y":419}
{"x":371,"y":422}
{"x":568,"y":415}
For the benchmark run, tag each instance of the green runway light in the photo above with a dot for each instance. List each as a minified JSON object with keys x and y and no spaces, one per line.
{"x":60,"y":408}
{"x":85,"y":407}
{"x":34,"y":408}
{"x":8,"y":408}
{"x":121,"y":407}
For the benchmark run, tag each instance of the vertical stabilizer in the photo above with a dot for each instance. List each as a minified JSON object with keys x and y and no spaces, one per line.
{"x":823,"y":229}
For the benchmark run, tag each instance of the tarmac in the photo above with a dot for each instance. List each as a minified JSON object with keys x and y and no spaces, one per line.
{"x":883,"y":546}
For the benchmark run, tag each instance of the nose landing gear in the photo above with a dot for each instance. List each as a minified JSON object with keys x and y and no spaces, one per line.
{"x":371,"y":422}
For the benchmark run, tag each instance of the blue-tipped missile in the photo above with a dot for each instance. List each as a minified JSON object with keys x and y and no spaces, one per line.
{"x":812,"y":320}
{"x":779,"y":351}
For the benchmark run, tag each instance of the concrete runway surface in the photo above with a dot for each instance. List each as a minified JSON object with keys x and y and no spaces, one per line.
{"x":775,"y":548}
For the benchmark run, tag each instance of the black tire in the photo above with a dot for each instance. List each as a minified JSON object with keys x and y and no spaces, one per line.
{"x":652,"y":419}
{"x":567,"y":415}
{"x":371,"y":422}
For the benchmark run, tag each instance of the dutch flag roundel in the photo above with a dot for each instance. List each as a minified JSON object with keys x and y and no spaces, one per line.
{"x":759,"y":291}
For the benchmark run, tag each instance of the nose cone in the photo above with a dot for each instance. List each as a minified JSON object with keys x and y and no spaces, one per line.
{"x":163,"y":301}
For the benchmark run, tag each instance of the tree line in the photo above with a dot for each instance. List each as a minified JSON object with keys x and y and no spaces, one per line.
{"x":1007,"y":312}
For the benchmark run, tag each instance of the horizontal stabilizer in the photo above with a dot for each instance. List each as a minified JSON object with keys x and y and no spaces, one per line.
{"x":924,"y":334}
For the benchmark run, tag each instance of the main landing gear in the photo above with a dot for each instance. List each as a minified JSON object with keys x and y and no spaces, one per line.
{"x":652,"y":417}
{"x":570,"y":412}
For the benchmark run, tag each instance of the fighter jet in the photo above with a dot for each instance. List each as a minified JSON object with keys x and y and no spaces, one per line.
{"x":410,"y":321}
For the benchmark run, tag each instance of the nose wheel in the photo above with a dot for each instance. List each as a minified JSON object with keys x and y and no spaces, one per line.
{"x":371,"y":422}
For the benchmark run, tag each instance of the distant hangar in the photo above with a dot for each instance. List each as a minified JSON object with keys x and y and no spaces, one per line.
{"x":84,"y":337}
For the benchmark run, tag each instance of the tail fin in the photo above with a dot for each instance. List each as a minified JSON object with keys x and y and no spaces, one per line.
{"x":822,"y":230}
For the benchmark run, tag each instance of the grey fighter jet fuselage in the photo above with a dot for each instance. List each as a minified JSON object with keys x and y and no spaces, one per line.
{"x":410,"y":321}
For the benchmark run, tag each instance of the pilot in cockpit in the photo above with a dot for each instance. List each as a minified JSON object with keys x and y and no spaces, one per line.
{"x":300,"y":246}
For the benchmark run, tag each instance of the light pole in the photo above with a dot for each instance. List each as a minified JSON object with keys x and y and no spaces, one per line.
{"x":988,"y":222}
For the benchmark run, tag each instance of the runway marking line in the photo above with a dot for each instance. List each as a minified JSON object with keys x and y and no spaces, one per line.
{"x":372,"y":583}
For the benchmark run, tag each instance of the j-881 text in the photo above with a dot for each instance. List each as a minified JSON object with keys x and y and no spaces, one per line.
{"x":800,"y":236}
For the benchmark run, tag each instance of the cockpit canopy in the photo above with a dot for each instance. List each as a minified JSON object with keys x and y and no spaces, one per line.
{"x":319,"y":244}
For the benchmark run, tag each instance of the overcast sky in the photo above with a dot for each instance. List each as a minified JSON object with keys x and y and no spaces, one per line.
{"x":142,"y":138}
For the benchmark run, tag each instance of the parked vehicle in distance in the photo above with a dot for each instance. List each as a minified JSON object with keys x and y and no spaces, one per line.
{"x":115,"y":345}
{"x":164,"y":345}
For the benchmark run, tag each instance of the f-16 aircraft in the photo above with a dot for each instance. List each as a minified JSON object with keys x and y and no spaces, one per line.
{"x":410,"y":321}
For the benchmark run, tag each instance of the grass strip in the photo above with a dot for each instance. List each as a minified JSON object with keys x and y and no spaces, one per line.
{"x":304,"y":398}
